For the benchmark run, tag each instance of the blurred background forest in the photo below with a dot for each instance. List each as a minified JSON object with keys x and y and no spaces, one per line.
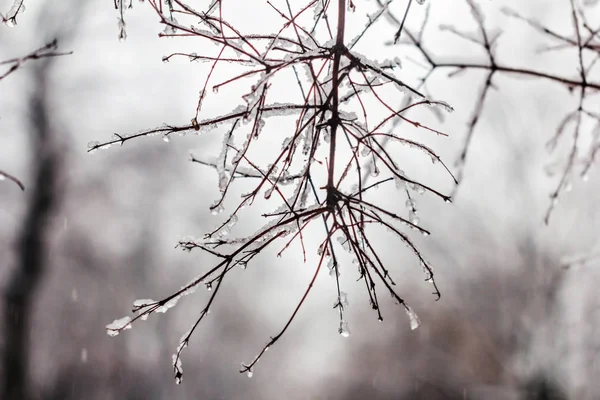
{"x":94,"y":232}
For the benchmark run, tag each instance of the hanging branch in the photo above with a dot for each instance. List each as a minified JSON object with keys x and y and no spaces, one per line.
{"x":13,"y":64}
{"x":585,"y":40}
{"x":48,"y":50}
{"x":316,"y":174}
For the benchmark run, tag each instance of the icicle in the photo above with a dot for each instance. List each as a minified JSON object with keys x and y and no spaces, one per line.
{"x":414,"y":319}
{"x":344,"y":331}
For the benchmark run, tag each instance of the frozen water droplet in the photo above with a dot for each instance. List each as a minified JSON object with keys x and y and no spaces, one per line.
{"x":224,"y":231}
{"x":169,"y":29}
{"x":399,"y":182}
{"x":215,"y":89}
{"x":84,"y":355}
{"x":425,"y":233}
{"x":568,"y":186}
{"x":208,"y":286}
{"x":375,"y":171}
{"x":585,"y":177}
{"x":414,"y":319}
{"x":195,"y":124}
{"x":344,"y":331}
{"x":10,"y":22}
{"x":268,"y":193}
{"x":249,"y":374}
{"x":332,"y":268}
{"x":165,"y":59}
{"x":216,"y":208}
{"x":344,"y":299}
{"x":413,"y":218}
{"x":243,"y":264}
{"x":166,"y":139}
{"x":448,"y":200}
{"x":122,"y":29}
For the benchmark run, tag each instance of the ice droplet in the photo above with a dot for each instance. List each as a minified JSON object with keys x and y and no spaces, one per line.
{"x":215,"y":89}
{"x":585,"y":177}
{"x":224,"y":231}
{"x":269,"y":192}
{"x":414,"y":319}
{"x":122,"y":29}
{"x":216,"y":208}
{"x":170,"y":29}
{"x":84,"y":355}
{"x":375,"y":171}
{"x":344,"y":331}
{"x":250,"y":373}
{"x":166,"y":138}
{"x":413,"y":218}
{"x":332,"y":269}
{"x":344,"y":299}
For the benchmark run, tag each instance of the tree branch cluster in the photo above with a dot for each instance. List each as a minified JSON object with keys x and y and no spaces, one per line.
{"x":316,"y":176}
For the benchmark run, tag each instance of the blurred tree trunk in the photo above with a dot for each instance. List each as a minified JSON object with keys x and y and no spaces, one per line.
{"x":24,"y":280}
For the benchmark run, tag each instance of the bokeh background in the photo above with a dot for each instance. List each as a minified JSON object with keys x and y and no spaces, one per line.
{"x":514,"y":321}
